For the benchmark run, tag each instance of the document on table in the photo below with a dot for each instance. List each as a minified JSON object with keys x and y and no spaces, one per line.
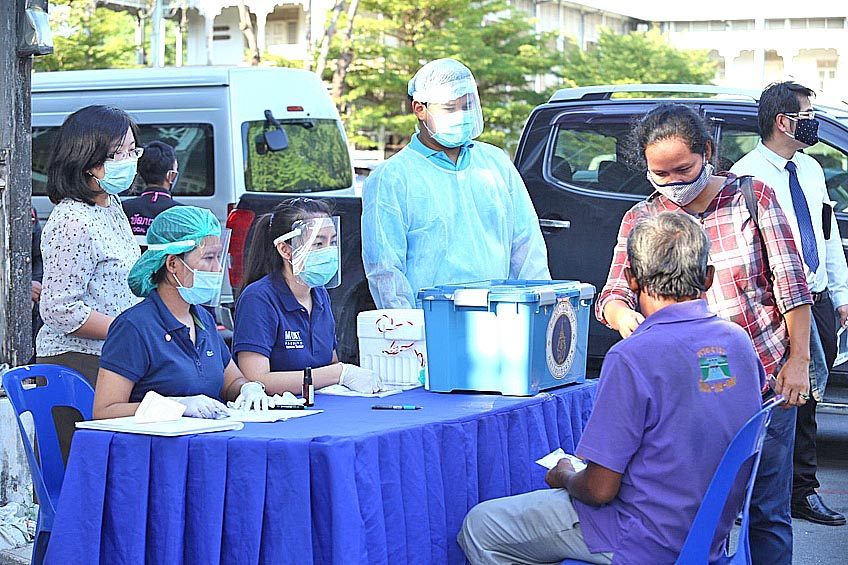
{"x":340,"y":390}
{"x":267,"y":416}
{"x":550,"y":460}
{"x":182,"y":427}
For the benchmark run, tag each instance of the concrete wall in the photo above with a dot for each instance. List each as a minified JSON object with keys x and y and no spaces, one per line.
{"x":15,"y":480}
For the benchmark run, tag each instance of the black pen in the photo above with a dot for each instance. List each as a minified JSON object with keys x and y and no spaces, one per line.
{"x":395,"y":407}
{"x":288,"y":407}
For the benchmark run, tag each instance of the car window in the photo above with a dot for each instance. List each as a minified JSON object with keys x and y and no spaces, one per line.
{"x":591,"y":154}
{"x":193,"y":143}
{"x":834,"y":162}
{"x":316,"y":158}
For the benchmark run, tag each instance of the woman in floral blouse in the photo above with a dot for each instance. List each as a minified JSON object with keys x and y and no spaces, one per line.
{"x":87,"y":245}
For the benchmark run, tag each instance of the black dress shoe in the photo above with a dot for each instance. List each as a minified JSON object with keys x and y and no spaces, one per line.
{"x":813,"y":509}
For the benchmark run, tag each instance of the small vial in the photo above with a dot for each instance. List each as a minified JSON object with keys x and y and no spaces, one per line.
{"x":308,"y":387}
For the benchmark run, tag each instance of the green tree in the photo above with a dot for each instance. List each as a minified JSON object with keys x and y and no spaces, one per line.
{"x":393,"y":38}
{"x":637,"y":57}
{"x":87,"y":37}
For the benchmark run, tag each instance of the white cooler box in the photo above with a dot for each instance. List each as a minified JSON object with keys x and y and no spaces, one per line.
{"x":392,"y":343}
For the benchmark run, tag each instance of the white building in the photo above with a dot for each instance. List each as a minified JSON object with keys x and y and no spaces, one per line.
{"x":752,"y":43}
{"x":755,"y":43}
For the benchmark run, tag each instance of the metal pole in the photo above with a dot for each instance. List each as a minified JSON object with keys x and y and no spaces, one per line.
{"x":15,"y":191}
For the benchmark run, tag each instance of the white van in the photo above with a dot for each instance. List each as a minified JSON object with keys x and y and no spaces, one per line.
{"x":215,"y":118}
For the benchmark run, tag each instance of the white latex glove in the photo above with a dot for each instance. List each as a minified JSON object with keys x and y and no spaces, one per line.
{"x":252,"y":397}
{"x":359,"y":379}
{"x":201,"y":406}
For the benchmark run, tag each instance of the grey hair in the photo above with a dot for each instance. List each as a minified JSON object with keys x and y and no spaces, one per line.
{"x":668,"y":255}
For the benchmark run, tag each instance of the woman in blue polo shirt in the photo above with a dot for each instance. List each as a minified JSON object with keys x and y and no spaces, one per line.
{"x":167,"y":343}
{"x":284,"y":322}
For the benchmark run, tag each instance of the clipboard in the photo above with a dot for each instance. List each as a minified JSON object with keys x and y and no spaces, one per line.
{"x":841,"y":346}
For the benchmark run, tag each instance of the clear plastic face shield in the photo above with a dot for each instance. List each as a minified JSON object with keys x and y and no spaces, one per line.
{"x":454,"y":113}
{"x":315,"y":253}
{"x":205,"y":262}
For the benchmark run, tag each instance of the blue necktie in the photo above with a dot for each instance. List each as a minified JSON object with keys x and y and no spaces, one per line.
{"x":805,"y":224}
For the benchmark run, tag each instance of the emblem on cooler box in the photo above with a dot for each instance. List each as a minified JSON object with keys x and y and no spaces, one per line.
{"x":561,"y":341}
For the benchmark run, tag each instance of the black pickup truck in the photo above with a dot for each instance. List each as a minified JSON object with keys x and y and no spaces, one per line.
{"x":570,"y":157}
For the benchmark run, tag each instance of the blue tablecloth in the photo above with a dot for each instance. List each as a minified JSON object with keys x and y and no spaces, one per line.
{"x":350,"y":485}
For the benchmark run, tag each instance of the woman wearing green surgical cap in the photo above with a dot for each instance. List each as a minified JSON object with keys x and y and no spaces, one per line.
{"x":168,"y":343}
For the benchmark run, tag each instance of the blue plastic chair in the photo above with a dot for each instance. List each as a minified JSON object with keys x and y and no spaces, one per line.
{"x":64,"y":387}
{"x":747,"y":444}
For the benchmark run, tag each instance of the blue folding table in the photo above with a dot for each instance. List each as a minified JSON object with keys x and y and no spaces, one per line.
{"x":350,"y":485}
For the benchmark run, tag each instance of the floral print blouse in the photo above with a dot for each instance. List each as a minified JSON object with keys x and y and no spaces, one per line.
{"x":88,"y":252}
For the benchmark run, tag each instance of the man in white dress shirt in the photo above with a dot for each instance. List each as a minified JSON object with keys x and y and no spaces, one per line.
{"x":787,"y":126}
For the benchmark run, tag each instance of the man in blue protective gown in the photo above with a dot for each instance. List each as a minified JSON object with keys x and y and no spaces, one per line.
{"x":446,"y":209}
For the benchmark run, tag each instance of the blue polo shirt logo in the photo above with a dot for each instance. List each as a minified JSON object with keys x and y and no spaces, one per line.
{"x":293,"y":340}
{"x":715,"y":371}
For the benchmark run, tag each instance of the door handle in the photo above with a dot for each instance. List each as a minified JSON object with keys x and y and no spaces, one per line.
{"x":554,"y":224}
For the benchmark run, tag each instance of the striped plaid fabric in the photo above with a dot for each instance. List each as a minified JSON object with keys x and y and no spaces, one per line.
{"x":742,"y":290}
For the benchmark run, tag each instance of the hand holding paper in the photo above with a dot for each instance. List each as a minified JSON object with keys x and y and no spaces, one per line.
{"x":550,"y":460}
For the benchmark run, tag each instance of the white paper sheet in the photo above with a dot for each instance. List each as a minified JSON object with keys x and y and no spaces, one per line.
{"x":156,"y":408}
{"x":842,"y":345}
{"x":183,"y":426}
{"x":550,"y":460}
{"x":267,"y":416}
{"x":340,"y":390}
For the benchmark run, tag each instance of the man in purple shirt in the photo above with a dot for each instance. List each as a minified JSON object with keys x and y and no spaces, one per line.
{"x":670,"y":399}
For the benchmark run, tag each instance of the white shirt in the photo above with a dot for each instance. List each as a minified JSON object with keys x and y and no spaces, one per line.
{"x":88,"y":252}
{"x":769,"y":167}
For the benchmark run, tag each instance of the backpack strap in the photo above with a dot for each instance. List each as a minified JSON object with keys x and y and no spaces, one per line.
{"x":746,"y":187}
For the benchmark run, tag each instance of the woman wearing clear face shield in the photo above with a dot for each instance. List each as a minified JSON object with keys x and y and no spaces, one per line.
{"x":168,"y":343}
{"x":284,"y":322}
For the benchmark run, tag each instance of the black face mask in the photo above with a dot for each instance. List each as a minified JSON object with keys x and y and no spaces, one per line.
{"x":806,"y":131}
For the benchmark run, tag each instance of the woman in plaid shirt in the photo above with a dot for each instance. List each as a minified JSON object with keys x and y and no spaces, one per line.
{"x":759,"y":284}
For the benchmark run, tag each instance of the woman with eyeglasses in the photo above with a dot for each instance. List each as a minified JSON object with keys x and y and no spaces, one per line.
{"x":87,"y":246}
{"x":284,"y":322}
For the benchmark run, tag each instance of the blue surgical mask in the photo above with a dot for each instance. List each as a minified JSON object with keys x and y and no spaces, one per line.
{"x":119,"y":175}
{"x":207,"y":285}
{"x":453,"y":129}
{"x":320,"y":267}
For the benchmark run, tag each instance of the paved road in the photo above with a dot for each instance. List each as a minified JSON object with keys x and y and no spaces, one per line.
{"x":827,"y":545}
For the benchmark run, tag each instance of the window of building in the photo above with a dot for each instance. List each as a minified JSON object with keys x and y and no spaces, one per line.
{"x":816,"y":23}
{"x":740,"y":25}
{"x":798,"y":23}
{"x":775,"y":24}
{"x":281,"y":32}
{"x":835,"y":23}
{"x":700,"y":26}
{"x":716,"y":25}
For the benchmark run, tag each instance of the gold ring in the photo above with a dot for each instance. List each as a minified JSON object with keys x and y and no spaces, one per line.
{"x":803,"y":396}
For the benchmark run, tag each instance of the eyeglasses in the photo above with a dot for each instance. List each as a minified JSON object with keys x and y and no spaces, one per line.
{"x":122,"y":155}
{"x":807,"y":115}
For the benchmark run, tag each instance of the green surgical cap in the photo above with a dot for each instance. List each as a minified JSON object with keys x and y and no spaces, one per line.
{"x":175,"y":231}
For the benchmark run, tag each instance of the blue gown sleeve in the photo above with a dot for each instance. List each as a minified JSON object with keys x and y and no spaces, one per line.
{"x":529,"y":255}
{"x":384,"y":244}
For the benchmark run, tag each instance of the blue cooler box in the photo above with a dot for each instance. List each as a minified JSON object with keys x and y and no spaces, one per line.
{"x":509,"y":336}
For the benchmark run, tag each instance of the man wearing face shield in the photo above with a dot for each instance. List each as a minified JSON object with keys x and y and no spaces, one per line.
{"x":787,"y":127}
{"x":446,"y":209}
{"x":166,"y":343}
